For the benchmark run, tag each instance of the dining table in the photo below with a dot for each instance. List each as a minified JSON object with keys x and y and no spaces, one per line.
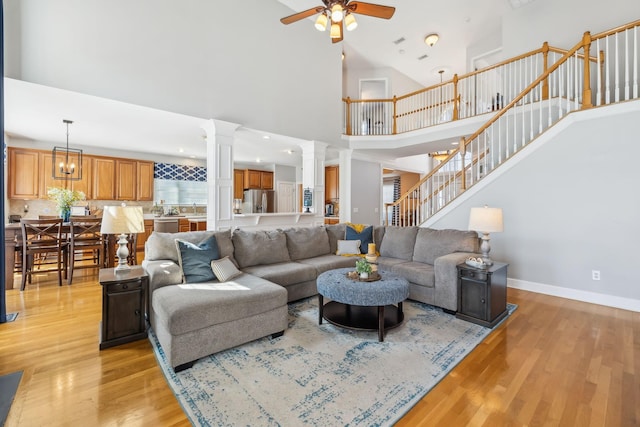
{"x":12,"y":234}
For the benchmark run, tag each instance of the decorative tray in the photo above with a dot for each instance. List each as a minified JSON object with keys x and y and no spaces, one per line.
{"x":476,"y":264}
{"x":373,"y":277}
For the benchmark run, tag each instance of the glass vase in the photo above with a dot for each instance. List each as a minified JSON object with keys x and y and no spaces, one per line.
{"x":65,"y":214}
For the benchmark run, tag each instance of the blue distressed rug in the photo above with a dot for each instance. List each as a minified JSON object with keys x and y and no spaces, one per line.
{"x":323,"y":375}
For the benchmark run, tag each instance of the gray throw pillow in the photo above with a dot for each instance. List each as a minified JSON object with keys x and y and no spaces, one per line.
{"x":259,"y":247}
{"x":398,"y":242}
{"x":335,"y":232}
{"x":307,"y":242}
{"x":432,"y":244}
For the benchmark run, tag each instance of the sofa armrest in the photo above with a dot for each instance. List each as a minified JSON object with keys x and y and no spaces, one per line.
{"x":161,"y":273}
{"x":446,"y":279}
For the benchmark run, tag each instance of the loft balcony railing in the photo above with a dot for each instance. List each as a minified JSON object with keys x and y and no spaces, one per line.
{"x":599,"y":70}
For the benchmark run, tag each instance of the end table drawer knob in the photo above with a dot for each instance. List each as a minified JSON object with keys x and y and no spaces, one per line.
{"x":483,"y":300}
{"x":125,"y":286}
{"x":137,"y":312}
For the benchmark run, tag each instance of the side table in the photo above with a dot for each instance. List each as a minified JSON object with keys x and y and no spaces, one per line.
{"x":482,"y":294}
{"x":124,"y":303}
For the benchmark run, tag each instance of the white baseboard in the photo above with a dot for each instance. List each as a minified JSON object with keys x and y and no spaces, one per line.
{"x":576,"y":294}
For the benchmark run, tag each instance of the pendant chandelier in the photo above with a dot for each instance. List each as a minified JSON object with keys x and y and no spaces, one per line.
{"x":67,"y":162}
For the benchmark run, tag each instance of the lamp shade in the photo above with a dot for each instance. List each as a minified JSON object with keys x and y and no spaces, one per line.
{"x":486,"y":219}
{"x":321,"y":22}
{"x":122,"y":220}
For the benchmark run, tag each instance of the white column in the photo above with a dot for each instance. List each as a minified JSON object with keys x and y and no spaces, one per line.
{"x":313,"y":155}
{"x":345,"y":185}
{"x":220,"y":136}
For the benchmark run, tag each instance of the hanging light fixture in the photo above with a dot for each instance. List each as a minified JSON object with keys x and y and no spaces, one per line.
{"x":440,"y":155}
{"x":431,"y":39}
{"x":350,"y":22}
{"x":67,"y":162}
{"x":321,"y":22}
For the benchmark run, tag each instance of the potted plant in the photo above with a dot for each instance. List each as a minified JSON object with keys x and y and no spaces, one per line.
{"x":363,"y":268}
{"x":64,"y":199}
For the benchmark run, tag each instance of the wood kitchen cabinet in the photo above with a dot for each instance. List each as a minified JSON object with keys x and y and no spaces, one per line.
{"x":183,"y":225}
{"x":47,"y":181}
{"x":331,"y":183}
{"x":142,"y":237}
{"x":23,"y":173}
{"x":126,"y":173}
{"x":84,"y":184}
{"x":144,"y":190}
{"x":104,"y":173}
{"x":252,"y":179}
{"x":238,"y":184}
{"x":266,"y":180}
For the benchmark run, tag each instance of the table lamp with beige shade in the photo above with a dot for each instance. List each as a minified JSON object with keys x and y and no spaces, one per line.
{"x":486,"y":220}
{"x":122,"y":220}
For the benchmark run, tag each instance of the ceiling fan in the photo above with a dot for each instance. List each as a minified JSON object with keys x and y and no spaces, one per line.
{"x":340,"y":12}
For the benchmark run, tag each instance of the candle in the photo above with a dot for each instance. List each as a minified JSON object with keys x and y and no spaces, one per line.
{"x":372,"y":248}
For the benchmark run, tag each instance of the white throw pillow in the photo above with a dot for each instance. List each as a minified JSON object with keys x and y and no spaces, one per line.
{"x":224,"y":269}
{"x":348,"y":247}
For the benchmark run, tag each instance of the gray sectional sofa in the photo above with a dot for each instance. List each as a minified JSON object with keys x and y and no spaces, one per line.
{"x":280,"y":266}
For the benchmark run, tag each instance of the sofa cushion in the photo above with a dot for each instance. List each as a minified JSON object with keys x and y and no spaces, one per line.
{"x":386,"y":263}
{"x":335,"y":232}
{"x":285,"y":273}
{"x":259,"y":247}
{"x":362,"y":233}
{"x":416,"y":272}
{"x":195,"y":259}
{"x":162,"y":246}
{"x":378,"y":234}
{"x":307,"y":242}
{"x":432,"y":244}
{"x":189,"y":307}
{"x":398,"y":242}
{"x":224,"y":269}
{"x":329,"y":262}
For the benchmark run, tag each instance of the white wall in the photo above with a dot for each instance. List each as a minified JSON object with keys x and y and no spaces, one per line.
{"x":398,"y":83}
{"x":366,"y":192}
{"x":561,"y":23}
{"x":571,"y":206}
{"x":232,"y":61}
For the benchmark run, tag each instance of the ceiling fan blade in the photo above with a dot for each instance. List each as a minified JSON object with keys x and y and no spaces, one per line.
{"x":339,"y":39}
{"x":301,"y":15}
{"x":371,"y":9}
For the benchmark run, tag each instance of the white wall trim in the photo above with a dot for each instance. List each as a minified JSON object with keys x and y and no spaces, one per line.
{"x":576,"y":294}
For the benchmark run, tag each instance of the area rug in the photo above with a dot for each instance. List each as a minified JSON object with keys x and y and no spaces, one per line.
{"x":8,"y":386}
{"x":323,"y":375}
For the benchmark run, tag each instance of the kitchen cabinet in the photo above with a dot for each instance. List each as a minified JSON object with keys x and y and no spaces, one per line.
{"x":84,"y":184}
{"x":259,"y":180}
{"x":266,"y":180}
{"x":126,"y":173}
{"x":144,"y":190}
{"x":23,"y":173}
{"x":183,"y":225}
{"x":238,"y":183}
{"x":47,"y":181}
{"x":331,"y":183}
{"x":332,"y":220}
{"x":252,"y":179}
{"x":104,"y":173}
{"x":142,"y":237}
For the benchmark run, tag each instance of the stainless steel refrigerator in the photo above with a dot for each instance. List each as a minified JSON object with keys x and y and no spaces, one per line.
{"x":259,"y":201}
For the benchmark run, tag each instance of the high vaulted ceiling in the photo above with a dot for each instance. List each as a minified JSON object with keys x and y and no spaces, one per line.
{"x":459,"y":24}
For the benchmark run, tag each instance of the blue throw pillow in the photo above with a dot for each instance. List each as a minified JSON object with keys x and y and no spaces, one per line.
{"x":365,"y":236}
{"x":195,"y":260}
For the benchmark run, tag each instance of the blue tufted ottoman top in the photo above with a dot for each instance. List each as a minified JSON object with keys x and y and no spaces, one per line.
{"x":335,"y":285}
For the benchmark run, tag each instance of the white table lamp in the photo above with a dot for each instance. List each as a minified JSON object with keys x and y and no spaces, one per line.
{"x":122,"y":220}
{"x":486,"y":220}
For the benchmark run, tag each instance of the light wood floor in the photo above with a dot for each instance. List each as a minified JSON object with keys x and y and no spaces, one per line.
{"x":553,"y":362}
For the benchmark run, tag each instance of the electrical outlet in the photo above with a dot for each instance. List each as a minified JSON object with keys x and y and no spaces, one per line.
{"x":595,"y":274}
{"x":355,"y":210}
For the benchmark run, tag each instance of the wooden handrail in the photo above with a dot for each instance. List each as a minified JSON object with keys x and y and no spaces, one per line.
{"x":584,"y":44}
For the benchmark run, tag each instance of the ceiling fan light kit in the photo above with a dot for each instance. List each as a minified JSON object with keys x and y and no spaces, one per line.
{"x":341,"y":12}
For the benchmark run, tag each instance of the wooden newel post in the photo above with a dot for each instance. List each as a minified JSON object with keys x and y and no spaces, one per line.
{"x":395,"y":123}
{"x":545,"y":64}
{"x":586,"y":91}
{"x":456,"y":98}
{"x":348,"y":130}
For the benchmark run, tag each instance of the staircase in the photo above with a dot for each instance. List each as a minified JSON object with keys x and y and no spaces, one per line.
{"x":536,"y":91}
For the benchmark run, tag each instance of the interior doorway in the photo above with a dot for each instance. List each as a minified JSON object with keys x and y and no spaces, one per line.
{"x":286,"y":196}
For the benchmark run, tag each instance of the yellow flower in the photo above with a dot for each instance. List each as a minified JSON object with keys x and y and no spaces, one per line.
{"x":64,"y":197}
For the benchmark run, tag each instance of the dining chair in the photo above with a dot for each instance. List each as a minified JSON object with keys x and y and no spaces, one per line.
{"x":39,"y":238}
{"x":86,"y":244}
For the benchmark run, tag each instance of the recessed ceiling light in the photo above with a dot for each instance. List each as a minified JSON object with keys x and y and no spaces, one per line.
{"x":266,"y":137}
{"x":257,"y":159}
{"x":289,"y":151}
{"x":455,"y":143}
{"x":180,"y":150}
{"x":192,"y":157}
